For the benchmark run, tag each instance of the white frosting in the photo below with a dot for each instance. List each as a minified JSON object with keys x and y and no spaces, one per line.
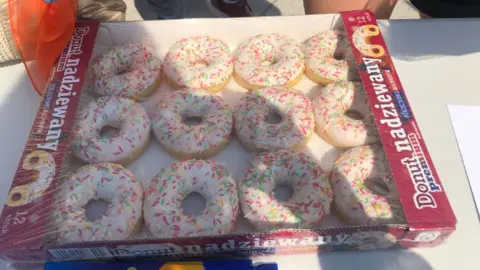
{"x":111,"y":183}
{"x":192,"y":140}
{"x":180,"y":62}
{"x":340,"y":129}
{"x":312,"y":194}
{"x":292,"y":105}
{"x":363,"y":188}
{"x":284,"y":55}
{"x":164,"y":215}
{"x":320,"y":53}
{"x":127,"y":70}
{"x":122,"y":113}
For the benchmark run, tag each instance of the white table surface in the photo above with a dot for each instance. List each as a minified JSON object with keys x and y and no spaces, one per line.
{"x":437,"y":64}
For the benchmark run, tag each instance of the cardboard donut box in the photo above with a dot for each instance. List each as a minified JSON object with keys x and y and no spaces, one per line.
{"x":26,"y":233}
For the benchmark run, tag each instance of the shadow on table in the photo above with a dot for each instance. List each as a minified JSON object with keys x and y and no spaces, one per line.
{"x":199,"y":8}
{"x":378,"y":260}
{"x":413,"y":40}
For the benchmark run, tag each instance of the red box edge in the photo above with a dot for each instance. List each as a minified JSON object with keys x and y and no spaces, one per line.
{"x":56,"y":111}
{"x":405,"y":184}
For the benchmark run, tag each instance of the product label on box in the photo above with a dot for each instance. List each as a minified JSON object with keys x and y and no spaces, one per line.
{"x":30,"y":198}
{"x":285,"y":242}
{"x":424,"y":200}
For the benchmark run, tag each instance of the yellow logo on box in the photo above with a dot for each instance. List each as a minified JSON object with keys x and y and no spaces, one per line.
{"x":361,"y":40}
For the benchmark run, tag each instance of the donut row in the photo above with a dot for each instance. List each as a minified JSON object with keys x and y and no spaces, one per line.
{"x":132,"y":71}
{"x":298,"y":118}
{"x":314,"y":191}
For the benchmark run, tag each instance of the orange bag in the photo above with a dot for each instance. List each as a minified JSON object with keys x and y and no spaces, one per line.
{"x":41,"y":30}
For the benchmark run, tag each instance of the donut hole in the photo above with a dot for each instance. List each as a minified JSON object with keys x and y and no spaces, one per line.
{"x":109,"y":132}
{"x":200,"y":64}
{"x":377,"y":186}
{"x":17,"y":196}
{"x":375,"y":50}
{"x":339,"y":56}
{"x":122,"y":72}
{"x":95,"y":209}
{"x":193,"y":204}
{"x":355,"y":115}
{"x":34,"y":160}
{"x":192,"y":120}
{"x":283,"y":192}
{"x":122,"y":69}
{"x":268,"y":60}
{"x":273,"y":117}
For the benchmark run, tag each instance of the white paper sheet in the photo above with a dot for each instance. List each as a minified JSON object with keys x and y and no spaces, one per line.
{"x":464,"y":119}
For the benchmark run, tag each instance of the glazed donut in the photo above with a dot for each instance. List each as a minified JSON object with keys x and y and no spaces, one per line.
{"x":361,"y":40}
{"x":268,"y":60}
{"x":163,"y":211}
{"x":181,"y":60}
{"x":292,"y":132}
{"x":326,"y":57}
{"x":185,"y":141}
{"x":115,"y":112}
{"x":108,"y":182}
{"x":312,"y":193}
{"x":43,"y":164}
{"x":128,"y":70}
{"x":343,"y":117}
{"x":364,"y":192}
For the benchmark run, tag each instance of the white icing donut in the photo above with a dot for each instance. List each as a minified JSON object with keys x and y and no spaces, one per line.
{"x":164,"y":215}
{"x":283,"y":55}
{"x":180,"y":63}
{"x":117,"y":112}
{"x":312,"y":193}
{"x":43,"y":164}
{"x":343,"y":116}
{"x":108,"y":182}
{"x":326,"y":56}
{"x":186,"y":141}
{"x":128,"y":70}
{"x":363,"y":188}
{"x":291,"y":105}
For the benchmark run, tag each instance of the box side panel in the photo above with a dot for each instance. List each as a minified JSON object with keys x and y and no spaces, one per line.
{"x":421,"y":192}
{"x":426,"y":237}
{"x":26,"y":255}
{"x":282,"y":242}
{"x":28,"y":206}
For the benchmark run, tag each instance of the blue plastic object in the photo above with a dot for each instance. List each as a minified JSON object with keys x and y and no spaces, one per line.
{"x":160,"y":265}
